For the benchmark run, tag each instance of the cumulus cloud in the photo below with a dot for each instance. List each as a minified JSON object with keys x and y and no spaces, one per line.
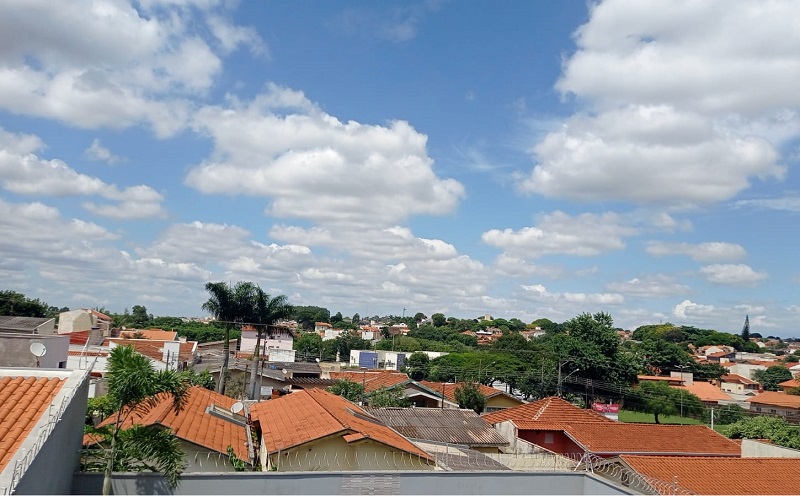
{"x":23,"y":172}
{"x":559,"y":233}
{"x":785,"y":204}
{"x":655,"y":286}
{"x":109,"y":64}
{"x":97,"y":151}
{"x":540,"y":293}
{"x":687,"y":309}
{"x":282,"y":147}
{"x":674,"y":113}
{"x":732,"y":274}
{"x":701,"y":252}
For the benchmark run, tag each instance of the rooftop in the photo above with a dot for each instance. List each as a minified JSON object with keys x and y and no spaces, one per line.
{"x":21,"y":324}
{"x":449,"y":425}
{"x":157,"y":334}
{"x":736,"y":378}
{"x":776,"y":398}
{"x":550,"y":410}
{"x":656,"y":439}
{"x":449,"y":389}
{"x":706,"y":391}
{"x":713,"y":475}
{"x":312,"y":414}
{"x":373,"y":380}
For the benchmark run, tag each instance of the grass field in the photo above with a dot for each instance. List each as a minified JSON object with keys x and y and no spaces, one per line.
{"x":648,"y":418}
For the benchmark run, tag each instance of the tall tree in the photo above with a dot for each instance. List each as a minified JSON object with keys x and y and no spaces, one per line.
{"x":746,"y":329}
{"x":469,"y":396}
{"x":266,"y":312}
{"x":140,"y":316}
{"x":659,"y":398}
{"x":133,"y":384}
{"x":18,"y":305}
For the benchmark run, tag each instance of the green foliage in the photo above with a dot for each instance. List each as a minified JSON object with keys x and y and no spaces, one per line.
{"x":417,"y":366}
{"x":18,"y":305}
{"x":727,"y":414}
{"x":308,"y":343}
{"x":659,"y":355}
{"x":239,"y":465}
{"x":438,"y":319}
{"x":98,"y":408}
{"x":658,"y":398}
{"x":775,"y":429}
{"x":203,"y":379}
{"x":307,"y":316}
{"x":400,"y":343}
{"x":139,"y":316}
{"x":511,"y":341}
{"x":469,"y":396}
{"x":706,"y":371}
{"x":771,"y":377}
{"x":349,"y":390}
{"x":389,"y":397}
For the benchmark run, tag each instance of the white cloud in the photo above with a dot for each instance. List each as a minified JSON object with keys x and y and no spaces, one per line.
{"x":678,"y":108}
{"x":539,"y":293}
{"x":786,"y":204}
{"x":511,"y":266}
{"x":701,"y":252}
{"x":281,"y":146}
{"x":27,"y":174}
{"x":559,"y":233}
{"x":687,"y":309}
{"x":97,"y":151}
{"x":732,"y":274}
{"x":649,"y":287}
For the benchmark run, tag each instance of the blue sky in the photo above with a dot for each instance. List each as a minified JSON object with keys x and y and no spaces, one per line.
{"x":523,"y":159}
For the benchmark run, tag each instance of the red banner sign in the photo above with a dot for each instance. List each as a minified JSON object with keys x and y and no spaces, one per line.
{"x":605,"y":408}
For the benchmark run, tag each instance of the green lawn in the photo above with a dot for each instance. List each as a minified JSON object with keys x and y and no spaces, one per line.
{"x":648,"y":418}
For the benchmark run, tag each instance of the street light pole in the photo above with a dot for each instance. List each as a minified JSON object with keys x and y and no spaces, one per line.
{"x":683,"y":384}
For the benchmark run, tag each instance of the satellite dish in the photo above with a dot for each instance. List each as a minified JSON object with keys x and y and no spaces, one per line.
{"x":237,"y":407}
{"x":38,"y":349}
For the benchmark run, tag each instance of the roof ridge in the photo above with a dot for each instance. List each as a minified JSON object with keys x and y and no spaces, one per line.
{"x":542,"y":409}
{"x":327,"y":410}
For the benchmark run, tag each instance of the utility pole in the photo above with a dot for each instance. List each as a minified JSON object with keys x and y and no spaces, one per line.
{"x":681,"y":367}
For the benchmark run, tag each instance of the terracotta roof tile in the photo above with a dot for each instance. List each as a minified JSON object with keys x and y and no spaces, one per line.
{"x":736,"y":378}
{"x":154,"y":348}
{"x":776,"y":398}
{"x":791,"y":383}
{"x":194,"y":424}
{"x":550,"y":410}
{"x":658,"y":439}
{"x":22,"y":403}
{"x":312,"y":414}
{"x":713,"y":475}
{"x":156,"y":334}
{"x":706,"y":391}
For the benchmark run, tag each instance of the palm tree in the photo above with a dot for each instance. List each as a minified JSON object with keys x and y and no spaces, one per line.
{"x":266,"y":312}
{"x":133,"y":384}
{"x":223,"y":305}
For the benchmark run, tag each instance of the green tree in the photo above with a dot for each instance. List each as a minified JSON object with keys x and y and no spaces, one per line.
{"x":265,"y":311}
{"x":771,"y":377}
{"x":658,"y":398}
{"x":337,"y":318}
{"x":438,"y":319}
{"x":307,"y":316}
{"x":389,"y":397}
{"x":139,"y":316}
{"x":308,"y":343}
{"x":18,"y":305}
{"x":349,"y":390}
{"x":511,"y":341}
{"x":776,"y":429}
{"x":659,"y":355}
{"x":417,"y":365}
{"x":419,"y":316}
{"x":727,"y":414}
{"x":133,"y":384}
{"x":468,"y":395}
{"x":746,"y":329}
{"x":356,"y":318}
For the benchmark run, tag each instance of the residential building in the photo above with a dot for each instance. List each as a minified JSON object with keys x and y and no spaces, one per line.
{"x":42,"y":413}
{"x":449,"y":426}
{"x":790,"y":384}
{"x":777,"y":403}
{"x":322,"y":326}
{"x":315,"y":430}
{"x":739,"y":385}
{"x":206,"y":426}
{"x":172,"y":355}
{"x":379,"y":359}
{"x":495,"y":399}
{"x":27,"y":325}
{"x":277,"y":338}
{"x":31,"y":342}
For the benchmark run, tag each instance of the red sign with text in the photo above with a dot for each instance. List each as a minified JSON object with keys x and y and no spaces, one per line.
{"x":605,"y":408}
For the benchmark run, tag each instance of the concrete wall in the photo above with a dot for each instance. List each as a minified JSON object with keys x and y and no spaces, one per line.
{"x":15,"y":350}
{"x":75,"y":320}
{"x":52,"y":469}
{"x":463,"y":483}
{"x":756,"y":449}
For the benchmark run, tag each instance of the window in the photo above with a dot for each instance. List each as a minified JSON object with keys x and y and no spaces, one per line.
{"x":548,"y":438}
{"x":62,"y":365}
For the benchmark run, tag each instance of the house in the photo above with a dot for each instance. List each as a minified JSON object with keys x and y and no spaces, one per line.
{"x":790,"y":384}
{"x":380,"y":359}
{"x":206,"y":426}
{"x":322,"y":327}
{"x":777,"y":403}
{"x":276,"y":342}
{"x":272,"y":376}
{"x":42,"y":413}
{"x":154,"y":334}
{"x":709,"y":394}
{"x":737,"y":384}
{"x":314,"y":430}
{"x":165,"y":355}
{"x":495,"y":399}
{"x":31,"y":342}
{"x":715,"y":475}
{"x":449,"y":426}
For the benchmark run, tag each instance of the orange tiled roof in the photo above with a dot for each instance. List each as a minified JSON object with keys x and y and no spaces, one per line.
{"x":22,"y":402}
{"x":312,"y":414}
{"x":713,"y":475}
{"x":791,"y":383}
{"x":153,"y":348}
{"x":777,"y":399}
{"x":550,"y":410}
{"x":450,"y":389}
{"x":373,"y":380}
{"x":193,"y":423}
{"x":659,"y":378}
{"x":658,"y":439}
{"x":706,"y":391}
{"x":101,"y":315}
{"x":736,"y":378}
{"x":155,"y":334}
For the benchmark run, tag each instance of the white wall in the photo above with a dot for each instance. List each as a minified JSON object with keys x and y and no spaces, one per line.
{"x":756,"y":449}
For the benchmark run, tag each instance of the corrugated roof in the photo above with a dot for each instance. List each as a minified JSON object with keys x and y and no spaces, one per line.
{"x":448,"y":425}
{"x":551,"y":410}
{"x":619,"y":438}
{"x":713,"y":475}
{"x":193,"y":423}
{"x":457,"y":458}
{"x":21,"y":324}
{"x":312,"y":414}
{"x":23,"y":401}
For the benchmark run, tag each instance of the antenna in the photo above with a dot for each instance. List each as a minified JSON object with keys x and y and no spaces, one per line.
{"x":38,"y":350}
{"x":237,"y":407}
